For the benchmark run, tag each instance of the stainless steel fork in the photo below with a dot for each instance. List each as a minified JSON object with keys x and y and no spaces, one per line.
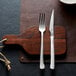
{"x":42,"y":30}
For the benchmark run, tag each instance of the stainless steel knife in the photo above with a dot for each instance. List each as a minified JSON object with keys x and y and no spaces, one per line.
{"x":52,"y":53}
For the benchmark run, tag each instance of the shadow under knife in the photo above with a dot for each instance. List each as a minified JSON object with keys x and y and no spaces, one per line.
{"x":42,"y":72}
{"x":53,"y":72}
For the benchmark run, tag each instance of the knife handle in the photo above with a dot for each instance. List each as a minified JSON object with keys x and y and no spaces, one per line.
{"x":52,"y":55}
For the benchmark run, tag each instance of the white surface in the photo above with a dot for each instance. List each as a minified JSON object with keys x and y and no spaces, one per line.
{"x":42,"y":29}
{"x":42,"y":66}
{"x":51,"y":29}
{"x":52,"y":63}
{"x":69,"y":1}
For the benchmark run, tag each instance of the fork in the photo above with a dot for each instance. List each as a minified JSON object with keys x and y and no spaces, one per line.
{"x":42,"y":30}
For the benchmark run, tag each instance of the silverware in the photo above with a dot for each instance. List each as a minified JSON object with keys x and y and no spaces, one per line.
{"x":42,"y":30}
{"x":51,"y":29}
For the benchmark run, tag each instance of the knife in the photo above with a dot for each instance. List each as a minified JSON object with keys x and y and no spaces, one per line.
{"x":51,"y":29}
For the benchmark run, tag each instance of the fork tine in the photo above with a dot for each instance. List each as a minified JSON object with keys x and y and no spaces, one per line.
{"x":42,"y":18}
{"x":42,"y":15}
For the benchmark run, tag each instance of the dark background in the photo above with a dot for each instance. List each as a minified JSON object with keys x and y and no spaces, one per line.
{"x":9,"y":24}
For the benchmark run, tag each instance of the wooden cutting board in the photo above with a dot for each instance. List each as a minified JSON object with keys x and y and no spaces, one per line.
{"x":30,"y":40}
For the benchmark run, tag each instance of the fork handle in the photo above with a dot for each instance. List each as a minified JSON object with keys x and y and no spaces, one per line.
{"x":42,"y":66}
{"x":52,"y":63}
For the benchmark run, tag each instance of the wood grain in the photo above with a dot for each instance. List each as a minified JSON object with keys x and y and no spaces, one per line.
{"x":30,"y":40}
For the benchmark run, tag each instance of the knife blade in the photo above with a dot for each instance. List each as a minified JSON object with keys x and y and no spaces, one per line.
{"x":51,"y":29}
